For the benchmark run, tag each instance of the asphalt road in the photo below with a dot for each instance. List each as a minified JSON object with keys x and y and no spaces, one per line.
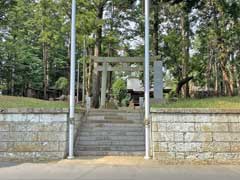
{"x":78,"y":170}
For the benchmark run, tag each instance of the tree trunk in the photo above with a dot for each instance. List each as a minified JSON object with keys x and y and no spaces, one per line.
{"x":110,"y":54}
{"x":233,"y":76}
{"x":223,"y":56}
{"x":222,"y":51}
{"x":68,"y":64}
{"x":216,"y":84}
{"x":185,"y":28}
{"x":209,"y":72}
{"x":88,"y":90}
{"x":45,"y":71}
{"x":237,"y":80}
{"x":226,"y":81}
{"x":238,"y":85}
{"x":97,"y":52}
{"x":182,"y":83}
{"x":12,"y":81}
{"x":110,"y":73}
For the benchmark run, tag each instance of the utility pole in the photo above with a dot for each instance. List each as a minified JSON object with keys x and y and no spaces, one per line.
{"x":146,"y":80}
{"x":72,"y":83}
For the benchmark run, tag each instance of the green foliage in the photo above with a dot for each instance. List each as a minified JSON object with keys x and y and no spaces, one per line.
{"x":21,"y":102}
{"x":27,"y":26}
{"x":212,"y":103}
{"x":3,"y":87}
{"x":119,"y":90}
{"x":62,"y":84}
{"x":125,"y":102}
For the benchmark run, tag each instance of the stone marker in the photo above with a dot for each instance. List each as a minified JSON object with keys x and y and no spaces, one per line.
{"x":141,"y":102}
{"x":88,"y":103}
{"x":158,"y":81}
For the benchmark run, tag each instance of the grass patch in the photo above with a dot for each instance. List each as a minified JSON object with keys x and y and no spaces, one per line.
{"x":212,"y":103}
{"x":23,"y":102}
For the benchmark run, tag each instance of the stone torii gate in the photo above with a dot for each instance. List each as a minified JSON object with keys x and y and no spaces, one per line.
{"x":124,"y":61}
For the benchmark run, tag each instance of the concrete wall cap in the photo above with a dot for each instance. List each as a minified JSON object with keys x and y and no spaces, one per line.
{"x":34,"y":111}
{"x":195,"y":111}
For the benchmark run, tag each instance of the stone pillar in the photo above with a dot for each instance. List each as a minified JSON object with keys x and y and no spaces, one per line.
{"x":104,"y":85}
{"x":141,"y":102}
{"x":158,"y":81}
{"x":88,"y":103}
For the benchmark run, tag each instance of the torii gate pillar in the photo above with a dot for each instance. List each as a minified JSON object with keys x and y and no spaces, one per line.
{"x":104,"y":86}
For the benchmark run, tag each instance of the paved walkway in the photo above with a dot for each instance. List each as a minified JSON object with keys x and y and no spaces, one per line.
{"x":115,"y":169}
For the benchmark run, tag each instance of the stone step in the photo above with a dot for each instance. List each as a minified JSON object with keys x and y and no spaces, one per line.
{"x":115,"y":111}
{"x":103,"y":117}
{"x":111,"y":133}
{"x":120,"y":121}
{"x":131,"y":119}
{"x":104,"y":127}
{"x":111,"y":148}
{"x":108,"y":143}
{"x":111,"y":138}
{"x":107,"y":132}
{"x":120,"y":125}
{"x":111,"y":129}
{"x":125,"y":115}
{"x":116,"y":121}
{"x":109,"y":153}
{"x":92,"y":132}
{"x":136,"y":115}
{"x":113,"y":122}
{"x":114,"y":117}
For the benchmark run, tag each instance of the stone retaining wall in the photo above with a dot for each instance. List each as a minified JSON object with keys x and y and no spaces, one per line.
{"x":34,"y":134}
{"x":195,"y":134}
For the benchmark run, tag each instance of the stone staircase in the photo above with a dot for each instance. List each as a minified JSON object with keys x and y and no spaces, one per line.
{"x":111,"y":132}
